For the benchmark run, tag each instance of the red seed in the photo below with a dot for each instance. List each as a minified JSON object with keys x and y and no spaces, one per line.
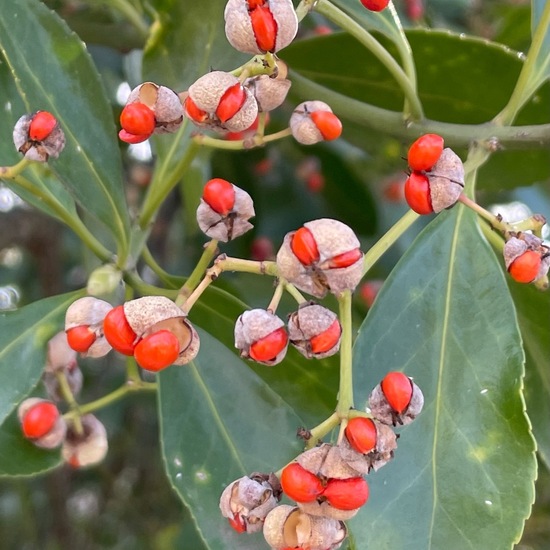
{"x":417,"y":193}
{"x":39,"y":420}
{"x":343,"y":260}
{"x":304,"y":246}
{"x":425,"y":152}
{"x":80,"y":338}
{"x":138,"y":119}
{"x":397,"y":388}
{"x":231,"y":102}
{"x":219,"y":194}
{"x":375,"y":5}
{"x":326,"y":340}
{"x":265,"y":28}
{"x":346,"y":494}
{"x":193,"y":112}
{"x":253,"y":4}
{"x":525,"y":268}
{"x":328,"y":124}
{"x":157,"y":351}
{"x":125,"y":136}
{"x":238,"y":523}
{"x":300,"y":484}
{"x":267,"y":348}
{"x":361,"y":434}
{"x":42,"y":125}
{"x":118,"y":332}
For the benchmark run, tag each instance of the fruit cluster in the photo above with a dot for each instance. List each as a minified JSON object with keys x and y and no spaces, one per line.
{"x":326,"y":482}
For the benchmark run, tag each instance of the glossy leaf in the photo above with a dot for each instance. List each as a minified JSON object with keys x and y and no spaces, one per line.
{"x":466,"y":467}
{"x":540,"y":17}
{"x":219,"y":421}
{"x":533,"y":309}
{"x":68,"y":86}
{"x":24,"y":334}
{"x":18,"y":456}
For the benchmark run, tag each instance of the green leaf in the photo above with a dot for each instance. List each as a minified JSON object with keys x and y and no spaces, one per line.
{"x":540,"y":18}
{"x":219,"y":421}
{"x":533,"y":309}
{"x":24,"y":334}
{"x":18,"y":456}
{"x":463,"y":474}
{"x":69,"y":86}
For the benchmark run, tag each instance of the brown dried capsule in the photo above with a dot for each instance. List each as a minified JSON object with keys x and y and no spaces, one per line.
{"x":218,"y":101}
{"x":260,"y":335}
{"x":164,"y":102}
{"x":289,"y":527}
{"x":314,"y":121}
{"x":84,"y":326}
{"x":88,"y":448}
{"x":269,"y":92}
{"x":41,"y":422}
{"x":446,"y":180}
{"x":247,"y":501}
{"x":396,"y":400}
{"x":151,"y":314}
{"x":38,"y":136}
{"x":526,"y":257}
{"x":314,"y":331}
{"x":256,"y":27}
{"x":224,"y":210}
{"x":321,"y":256}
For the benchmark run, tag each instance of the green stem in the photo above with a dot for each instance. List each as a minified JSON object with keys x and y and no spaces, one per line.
{"x":111,"y":398}
{"x":208,"y":254}
{"x":345,"y":392}
{"x":164,"y":276}
{"x":9,"y":172}
{"x":129,"y":12}
{"x":344,"y":21}
{"x":392,"y":123}
{"x":526,"y":84}
{"x":295,"y":293}
{"x":132,"y":371}
{"x":68,"y":396}
{"x":165,"y":180}
{"x":258,"y":140}
{"x":137,"y":283}
{"x":322,"y":429}
{"x":66,"y":217}
{"x":388,"y":239}
{"x":277,"y":295}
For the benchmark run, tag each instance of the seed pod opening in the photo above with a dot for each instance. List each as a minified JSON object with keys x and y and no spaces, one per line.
{"x":47,"y":140}
{"x":446,"y":180}
{"x":88,"y":448}
{"x":41,"y":422}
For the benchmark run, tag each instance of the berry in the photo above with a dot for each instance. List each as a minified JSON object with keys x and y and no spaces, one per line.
{"x":265,"y":28}
{"x":125,"y":136}
{"x":42,"y":125}
{"x":304,"y":246}
{"x":326,"y":340}
{"x":361,"y":434}
{"x":417,"y":193}
{"x":39,"y":420}
{"x":375,"y":5}
{"x":193,"y":112}
{"x":81,"y":338}
{"x":397,"y":389}
{"x":525,"y":268}
{"x":118,"y":332}
{"x":268,"y":347}
{"x":300,"y":484}
{"x":219,"y":194}
{"x":425,"y":152}
{"x":346,"y":494}
{"x":137,"y":119}
{"x":238,"y":523}
{"x":343,"y":260}
{"x":328,"y":124}
{"x":157,"y":351}
{"x":231,"y":102}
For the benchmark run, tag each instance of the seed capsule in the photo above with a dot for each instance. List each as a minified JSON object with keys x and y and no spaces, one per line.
{"x":526,"y":257}
{"x":41,"y":422}
{"x":314,"y":121}
{"x":269,"y":92}
{"x":258,"y":27}
{"x":224,"y":210}
{"x":314,"y":331}
{"x":38,"y":136}
{"x":322,"y":256}
{"x":396,"y":400}
{"x":260,"y":335}
{"x":88,"y":448}
{"x":217,"y":101}
{"x":247,"y":501}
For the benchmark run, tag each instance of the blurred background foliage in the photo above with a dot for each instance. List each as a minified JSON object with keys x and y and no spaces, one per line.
{"x":127,"y":502}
